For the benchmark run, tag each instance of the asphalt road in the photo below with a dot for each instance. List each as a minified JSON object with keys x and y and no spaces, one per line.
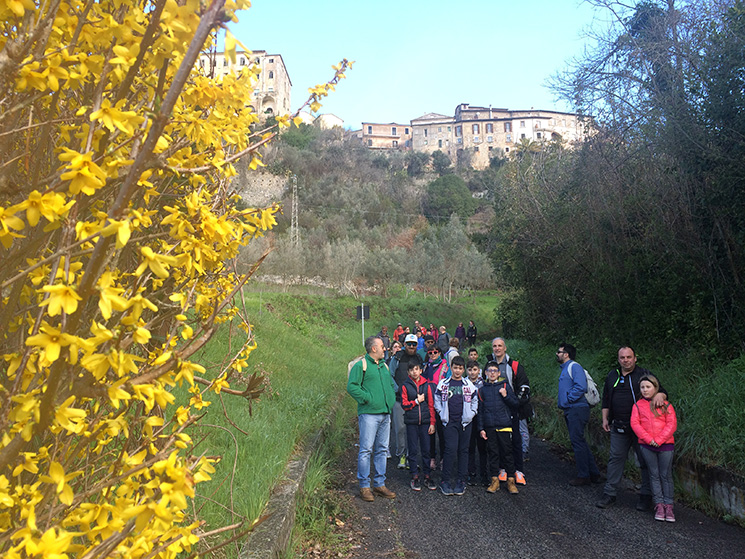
{"x":547,"y":519}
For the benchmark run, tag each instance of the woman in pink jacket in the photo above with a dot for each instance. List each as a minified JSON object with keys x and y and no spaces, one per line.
{"x":655,"y":427}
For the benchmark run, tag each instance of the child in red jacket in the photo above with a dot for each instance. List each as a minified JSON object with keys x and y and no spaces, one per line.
{"x":654,"y":428}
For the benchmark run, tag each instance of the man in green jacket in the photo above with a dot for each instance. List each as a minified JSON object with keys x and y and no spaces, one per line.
{"x":371,"y":385}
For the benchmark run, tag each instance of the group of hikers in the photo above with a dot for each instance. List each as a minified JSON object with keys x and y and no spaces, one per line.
{"x":440,"y":409}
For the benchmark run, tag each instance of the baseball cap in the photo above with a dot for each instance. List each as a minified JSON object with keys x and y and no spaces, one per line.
{"x":410,"y":338}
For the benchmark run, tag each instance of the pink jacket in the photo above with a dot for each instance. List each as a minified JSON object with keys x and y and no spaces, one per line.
{"x":649,"y":427}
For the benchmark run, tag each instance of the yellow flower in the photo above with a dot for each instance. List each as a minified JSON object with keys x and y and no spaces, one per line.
{"x":158,"y":263}
{"x":61,"y":298}
{"x":113,"y":118}
{"x":84,"y":175}
{"x":51,"y":340}
{"x":8,"y":221}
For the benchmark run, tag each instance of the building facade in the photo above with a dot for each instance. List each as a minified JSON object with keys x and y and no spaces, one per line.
{"x":476,"y":134}
{"x":271,"y":94}
{"x":386,"y":136}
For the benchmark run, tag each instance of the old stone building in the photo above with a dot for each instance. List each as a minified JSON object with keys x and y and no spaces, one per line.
{"x":475,"y":134}
{"x":386,"y":136}
{"x":272,"y":92}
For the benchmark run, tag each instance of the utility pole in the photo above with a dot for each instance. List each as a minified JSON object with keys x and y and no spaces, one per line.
{"x":294,"y":235}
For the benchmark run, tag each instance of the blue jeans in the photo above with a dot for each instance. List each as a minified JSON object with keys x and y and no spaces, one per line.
{"x":457,"y":438}
{"x":417,"y":438}
{"x":375,"y":430}
{"x":576,"y":419}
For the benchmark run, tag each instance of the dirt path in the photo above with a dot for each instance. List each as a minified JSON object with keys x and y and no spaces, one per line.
{"x":547,"y":519}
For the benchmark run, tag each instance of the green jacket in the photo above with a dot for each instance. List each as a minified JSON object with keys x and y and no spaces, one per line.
{"x":373,"y":390}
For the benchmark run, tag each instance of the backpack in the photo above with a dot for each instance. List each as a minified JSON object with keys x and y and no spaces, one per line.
{"x":591,"y":395}
{"x":353,"y":362}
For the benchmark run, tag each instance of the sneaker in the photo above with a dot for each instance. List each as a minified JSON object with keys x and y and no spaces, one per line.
{"x":472,"y":480}
{"x":605,"y":501}
{"x":415,"y":485}
{"x":644,"y":503}
{"x":402,"y":463}
{"x":459,"y":488}
{"x":520,"y":478}
{"x":660,"y":512}
{"x":502,"y":475}
{"x":429,"y":484}
{"x":669,"y":514}
{"x":383,"y":491}
{"x":366,"y":494}
{"x":445,"y":488}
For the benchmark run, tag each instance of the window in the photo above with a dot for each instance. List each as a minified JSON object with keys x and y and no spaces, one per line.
{"x":406,"y":131}
{"x":449,"y":129}
{"x":369,"y":142}
{"x":477,"y":116}
{"x":408,"y":143}
{"x":476,"y":139}
{"x":425,"y":132}
{"x":476,"y":149}
{"x":201,"y":62}
{"x":522,"y":136}
{"x":538,"y":135}
{"x":271,"y":75}
{"x":475,"y":128}
{"x":507,"y":150}
{"x":369,"y":129}
{"x":522,"y":124}
{"x":508,"y":127}
{"x":439,"y":128}
{"x":426,"y":142}
{"x":271,"y":61}
{"x":439,"y":143}
{"x":458,"y":131}
{"x":243,"y":61}
{"x":393,"y":131}
{"x":459,"y":141}
{"x":489,"y":128}
{"x":395,"y":143}
{"x":490,"y":148}
{"x":490,"y":139}
{"x":224,"y":62}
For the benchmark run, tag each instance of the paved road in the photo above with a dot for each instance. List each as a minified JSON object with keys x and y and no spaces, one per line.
{"x":547,"y":519}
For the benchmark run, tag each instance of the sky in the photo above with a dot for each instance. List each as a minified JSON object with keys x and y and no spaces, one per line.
{"x":413,"y":57}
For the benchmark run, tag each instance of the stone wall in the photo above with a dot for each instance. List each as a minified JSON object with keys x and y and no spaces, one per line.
{"x":259,"y":189}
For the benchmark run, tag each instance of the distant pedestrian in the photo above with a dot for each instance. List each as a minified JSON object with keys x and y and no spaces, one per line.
{"x":443,"y":340}
{"x":371,"y":385}
{"x":452,"y":351}
{"x":572,"y":401}
{"x":460,"y":333}
{"x":471,"y":333}
{"x":654,"y":428}
{"x":383,"y":335}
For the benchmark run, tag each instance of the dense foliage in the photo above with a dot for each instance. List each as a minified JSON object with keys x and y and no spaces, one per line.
{"x":118,"y":238}
{"x":639,"y":234}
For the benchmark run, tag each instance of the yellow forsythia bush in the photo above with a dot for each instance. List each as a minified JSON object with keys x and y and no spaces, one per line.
{"x":118,"y":234}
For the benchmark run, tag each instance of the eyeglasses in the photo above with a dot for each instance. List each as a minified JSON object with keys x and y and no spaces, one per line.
{"x":410,"y":343}
{"x":560,"y":352}
{"x":433,"y":352}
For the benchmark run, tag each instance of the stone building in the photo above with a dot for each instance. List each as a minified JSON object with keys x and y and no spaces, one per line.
{"x":271,"y":94}
{"x":481,"y":133}
{"x":386,"y":136}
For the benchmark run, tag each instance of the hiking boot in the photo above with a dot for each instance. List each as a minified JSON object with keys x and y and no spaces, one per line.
{"x":415,"y":485}
{"x":579,"y":481}
{"x":445,"y":488}
{"x":511,"y":487}
{"x":669,"y":514}
{"x":429,"y":484}
{"x":520,"y":478}
{"x":459,"y":488}
{"x":383,"y":491}
{"x":644,"y":503}
{"x":502,"y":475}
{"x":660,"y":512}
{"x":493,"y":486}
{"x":605,"y":501}
{"x":402,"y":463}
{"x":366,"y":494}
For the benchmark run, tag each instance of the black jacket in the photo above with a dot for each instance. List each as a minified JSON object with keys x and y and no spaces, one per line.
{"x":495,"y":411}
{"x":612,"y":379}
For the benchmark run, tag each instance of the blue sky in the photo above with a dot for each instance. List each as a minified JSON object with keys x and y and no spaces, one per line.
{"x":413,"y":56}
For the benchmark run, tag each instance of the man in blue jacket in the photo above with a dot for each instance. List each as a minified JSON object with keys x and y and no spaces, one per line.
{"x":572,"y":388}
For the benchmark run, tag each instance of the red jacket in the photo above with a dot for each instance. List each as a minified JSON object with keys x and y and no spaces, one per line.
{"x":413,"y":412}
{"x":650,"y":427}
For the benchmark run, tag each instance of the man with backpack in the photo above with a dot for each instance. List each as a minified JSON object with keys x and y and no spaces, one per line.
{"x":572,"y":400}
{"x":371,"y":385}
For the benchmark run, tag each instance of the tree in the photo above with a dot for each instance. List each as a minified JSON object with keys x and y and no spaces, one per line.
{"x":446,"y":196}
{"x":119,"y":233}
{"x":441,"y":163}
{"x":416,"y":162}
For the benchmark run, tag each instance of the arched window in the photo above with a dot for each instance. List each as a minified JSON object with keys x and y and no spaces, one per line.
{"x":271,"y":74}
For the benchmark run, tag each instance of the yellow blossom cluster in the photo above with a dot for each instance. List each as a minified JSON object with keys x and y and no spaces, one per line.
{"x":118,"y":241}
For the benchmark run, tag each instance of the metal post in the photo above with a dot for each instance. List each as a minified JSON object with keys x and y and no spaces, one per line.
{"x":362,"y":314}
